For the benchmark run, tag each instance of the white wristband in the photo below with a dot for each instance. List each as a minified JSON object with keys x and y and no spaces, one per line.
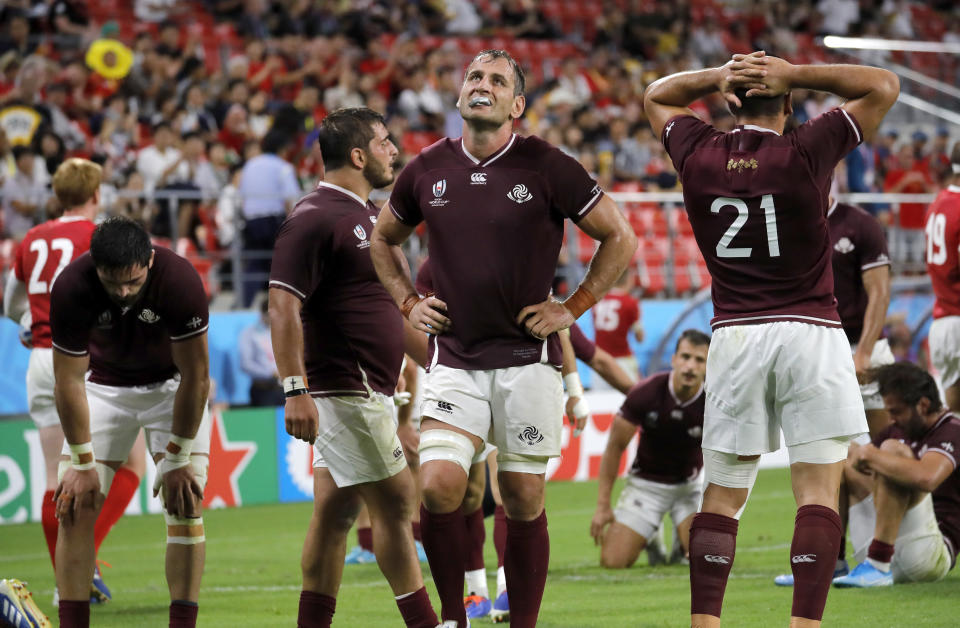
{"x":572,"y":382}
{"x":186,"y":448}
{"x":294,"y":382}
{"x":78,"y":458}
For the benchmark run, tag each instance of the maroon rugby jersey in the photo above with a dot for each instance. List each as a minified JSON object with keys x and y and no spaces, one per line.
{"x":128,"y":347}
{"x":424,"y":283}
{"x":495,"y":229}
{"x":669,"y":449}
{"x":859,"y":244}
{"x":757,"y":202}
{"x":583,"y":347}
{"x":41,"y":257}
{"x":943,"y":261}
{"x":352,"y":330}
{"x":943,"y":438}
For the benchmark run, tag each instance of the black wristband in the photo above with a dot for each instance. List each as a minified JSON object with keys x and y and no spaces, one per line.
{"x":296,"y":392}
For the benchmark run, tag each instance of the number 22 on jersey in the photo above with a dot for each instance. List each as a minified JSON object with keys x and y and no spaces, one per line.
{"x":770,"y":215}
{"x":63,"y":246}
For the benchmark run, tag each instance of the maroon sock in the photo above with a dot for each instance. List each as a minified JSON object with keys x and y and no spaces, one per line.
{"x":417,"y":611}
{"x":365,"y":538}
{"x":183,"y":614}
{"x":880,"y":551}
{"x":813,"y":558}
{"x":713,"y":544}
{"x":445,"y":545}
{"x":74,"y":613}
{"x":476,"y":535}
{"x":500,"y":533}
{"x":316,"y":610}
{"x":525,"y":564}
{"x":417,"y":536}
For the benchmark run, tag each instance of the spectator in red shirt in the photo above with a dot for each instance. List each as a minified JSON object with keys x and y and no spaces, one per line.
{"x":615,"y":317}
{"x":909,"y":176}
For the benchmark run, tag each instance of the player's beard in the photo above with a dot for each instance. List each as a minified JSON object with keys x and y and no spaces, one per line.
{"x":376,"y":174}
{"x":916,"y":427}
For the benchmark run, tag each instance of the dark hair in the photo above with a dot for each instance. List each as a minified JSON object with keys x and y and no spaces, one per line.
{"x":907,"y":382}
{"x":22,"y":149}
{"x":694,"y":336}
{"x":119,"y":243}
{"x":955,"y":154}
{"x":274,"y":141}
{"x":162,"y":124}
{"x":342,"y":131}
{"x":756,"y":106}
{"x":519,"y":81}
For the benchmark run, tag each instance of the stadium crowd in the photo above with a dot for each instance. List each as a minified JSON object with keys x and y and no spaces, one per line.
{"x":202,"y":87}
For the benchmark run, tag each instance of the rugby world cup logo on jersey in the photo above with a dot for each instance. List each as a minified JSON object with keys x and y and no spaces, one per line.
{"x":439,"y":189}
{"x":361,"y":234}
{"x":530,"y":435}
{"x":148,"y":316}
{"x":519,"y":194}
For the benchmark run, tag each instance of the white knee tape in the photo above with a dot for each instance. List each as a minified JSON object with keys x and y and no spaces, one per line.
{"x":728,"y":470}
{"x":446,"y":445}
{"x":104,"y":472}
{"x":522,"y":463}
{"x":183,"y":530}
{"x":826,"y":451}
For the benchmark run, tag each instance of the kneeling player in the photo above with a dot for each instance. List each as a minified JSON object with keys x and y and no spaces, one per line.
{"x":904,"y":487}
{"x":137,"y":318}
{"x":668,"y":408}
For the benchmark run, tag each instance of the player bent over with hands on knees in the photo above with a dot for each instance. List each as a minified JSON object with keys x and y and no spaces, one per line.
{"x":136,"y":317}
{"x":904,"y":487}
{"x":668,"y":409}
{"x":779,"y":360}
{"x":494,"y":204}
{"x":338,"y":339}
{"x":45,"y":251}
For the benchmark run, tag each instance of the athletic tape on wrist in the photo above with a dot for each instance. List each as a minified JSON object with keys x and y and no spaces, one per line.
{"x":293,"y":383}
{"x":185,"y":445}
{"x":572,"y":383}
{"x":409,"y":303}
{"x":81,"y":456}
{"x":580,"y":301}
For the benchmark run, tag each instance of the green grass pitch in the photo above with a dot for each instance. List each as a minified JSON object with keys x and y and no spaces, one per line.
{"x":252,"y":576}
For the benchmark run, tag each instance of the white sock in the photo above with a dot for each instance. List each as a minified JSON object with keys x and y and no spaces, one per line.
{"x":884,"y":567}
{"x":501,"y":581}
{"x":477,"y":583}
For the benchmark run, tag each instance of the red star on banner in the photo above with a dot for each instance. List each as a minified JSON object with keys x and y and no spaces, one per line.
{"x":227,"y":462}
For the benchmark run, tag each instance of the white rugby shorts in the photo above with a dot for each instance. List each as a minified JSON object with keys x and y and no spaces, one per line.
{"x":357,"y":439}
{"x":920,"y":552}
{"x":789,"y":376}
{"x":118,"y":412}
{"x":944,"y":341}
{"x":518,"y":409}
{"x":643,"y":503}
{"x":870,"y":392}
{"x":40,"y":383}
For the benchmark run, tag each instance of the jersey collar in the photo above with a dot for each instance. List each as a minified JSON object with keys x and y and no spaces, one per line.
{"x":754,"y":127}
{"x":324,"y":184}
{"x":682,"y":404}
{"x":832,"y":207}
{"x":954,"y":188}
{"x":489,"y":160}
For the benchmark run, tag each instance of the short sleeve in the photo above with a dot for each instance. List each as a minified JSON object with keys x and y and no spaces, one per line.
{"x":682,"y":135}
{"x":403,"y":198}
{"x":300,"y":254}
{"x":573,"y":191}
{"x":18,"y":263}
{"x":291,"y":187}
{"x":946,"y":440}
{"x":70,"y":323}
{"x":826,"y":140}
{"x":637,"y":403}
{"x":188,"y":315}
{"x":583,"y":347}
{"x":872,"y":245}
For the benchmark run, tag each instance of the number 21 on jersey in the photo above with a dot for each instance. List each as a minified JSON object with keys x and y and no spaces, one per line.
{"x":936,"y":230}
{"x":770,"y":216}
{"x":63,"y":246}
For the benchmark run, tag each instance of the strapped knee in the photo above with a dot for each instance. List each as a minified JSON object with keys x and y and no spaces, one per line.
{"x":188,"y":530}
{"x":446,"y":445}
{"x":724,"y":469}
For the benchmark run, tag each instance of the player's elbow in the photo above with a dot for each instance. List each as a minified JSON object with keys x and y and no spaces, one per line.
{"x":888,"y":86}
